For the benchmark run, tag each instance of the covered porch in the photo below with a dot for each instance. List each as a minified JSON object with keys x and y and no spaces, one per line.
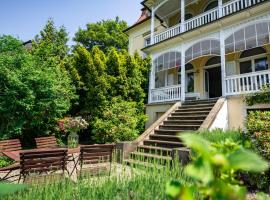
{"x":238,"y":65}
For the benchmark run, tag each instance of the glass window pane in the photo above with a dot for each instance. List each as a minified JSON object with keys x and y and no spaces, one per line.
{"x":178,"y":59}
{"x":206,"y":47}
{"x":197,"y":50}
{"x":245,"y":67}
{"x":156,"y":65}
{"x":190,"y":82}
{"x":251,"y":43}
{"x":160,"y":63}
{"x":250,"y":31}
{"x":239,"y":35}
{"x":160,"y":79}
{"x":166,"y":60}
{"x":262,"y":28}
{"x":172,"y":60}
{"x":188,"y":55}
{"x":261,"y":64}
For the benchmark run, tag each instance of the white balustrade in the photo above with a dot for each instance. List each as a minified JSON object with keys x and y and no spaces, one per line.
{"x":205,"y":18}
{"x":169,"y":33}
{"x":202,"y":19}
{"x":171,"y":93}
{"x":237,"y":5}
{"x":247,"y":83}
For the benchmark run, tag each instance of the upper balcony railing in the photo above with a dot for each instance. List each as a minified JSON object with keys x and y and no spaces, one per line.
{"x":205,"y":18}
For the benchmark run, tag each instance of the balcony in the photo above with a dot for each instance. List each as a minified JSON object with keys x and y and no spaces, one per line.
{"x":247,"y":83}
{"x":205,"y":18}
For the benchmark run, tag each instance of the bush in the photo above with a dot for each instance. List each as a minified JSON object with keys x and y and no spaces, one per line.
{"x":119,"y":122}
{"x":5,"y":161}
{"x":260,"y":97}
{"x":258,"y":126}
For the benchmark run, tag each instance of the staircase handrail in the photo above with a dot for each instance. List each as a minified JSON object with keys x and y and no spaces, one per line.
{"x":213,"y":114}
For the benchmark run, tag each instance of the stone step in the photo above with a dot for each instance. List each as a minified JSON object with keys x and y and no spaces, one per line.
{"x":154,"y":150}
{"x":188,"y":117}
{"x":197,"y":105}
{"x":172,"y":138}
{"x":171,"y":132}
{"x":183,"y":122}
{"x":183,"y":109}
{"x":142,"y":165}
{"x":188,"y":113}
{"x":179,"y":127}
{"x":149,"y":157}
{"x":197,"y":102}
{"x":166,"y":144}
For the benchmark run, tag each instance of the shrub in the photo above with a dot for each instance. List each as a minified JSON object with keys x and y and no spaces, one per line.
{"x":262,"y":96}
{"x":258,"y":126}
{"x":119,"y":122}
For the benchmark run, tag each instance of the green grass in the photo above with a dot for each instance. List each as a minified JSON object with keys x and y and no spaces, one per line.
{"x":126,"y":182}
{"x":218,"y":135}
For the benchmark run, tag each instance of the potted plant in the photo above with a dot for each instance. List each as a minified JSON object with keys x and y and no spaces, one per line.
{"x":72,"y":125}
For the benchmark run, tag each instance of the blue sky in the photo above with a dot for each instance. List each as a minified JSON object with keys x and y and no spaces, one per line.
{"x":25,"y":18}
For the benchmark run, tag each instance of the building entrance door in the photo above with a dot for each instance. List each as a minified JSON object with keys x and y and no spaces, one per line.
{"x":213,"y":83}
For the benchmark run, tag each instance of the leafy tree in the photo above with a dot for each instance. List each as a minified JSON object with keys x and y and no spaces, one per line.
{"x":34,"y":92}
{"x":91,"y":68}
{"x":51,"y":42}
{"x":104,"y":34}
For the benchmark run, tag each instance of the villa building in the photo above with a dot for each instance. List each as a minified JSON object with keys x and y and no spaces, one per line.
{"x":203,"y":50}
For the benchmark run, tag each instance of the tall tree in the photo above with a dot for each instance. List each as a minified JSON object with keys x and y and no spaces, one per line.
{"x":104,"y":34}
{"x":34,"y":92}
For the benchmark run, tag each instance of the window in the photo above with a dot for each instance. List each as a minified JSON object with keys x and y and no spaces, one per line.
{"x":147,"y":41}
{"x":261,"y":64}
{"x":251,"y":36}
{"x":253,"y":60}
{"x":245,"y":67}
{"x":167,"y":61}
{"x":211,"y":6}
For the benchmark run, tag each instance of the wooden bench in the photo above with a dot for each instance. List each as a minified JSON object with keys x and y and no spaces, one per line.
{"x":46,"y":142}
{"x":10,"y":145}
{"x":92,"y":156}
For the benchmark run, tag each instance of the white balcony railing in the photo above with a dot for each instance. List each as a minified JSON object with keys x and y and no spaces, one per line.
{"x":171,"y":93}
{"x":205,"y":18}
{"x":246,"y":83}
{"x":202,"y":19}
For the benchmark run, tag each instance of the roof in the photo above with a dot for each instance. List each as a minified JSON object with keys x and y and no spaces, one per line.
{"x":145,"y":16}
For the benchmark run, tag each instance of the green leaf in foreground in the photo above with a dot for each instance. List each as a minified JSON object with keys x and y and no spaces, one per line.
{"x":247,"y":161}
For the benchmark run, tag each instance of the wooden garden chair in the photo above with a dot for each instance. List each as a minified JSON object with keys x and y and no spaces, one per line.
{"x":93,"y":158}
{"x":39,"y":165}
{"x":6,"y":173}
{"x":46,"y":142}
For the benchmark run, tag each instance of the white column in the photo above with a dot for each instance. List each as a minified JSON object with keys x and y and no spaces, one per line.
{"x":220,"y":6}
{"x":153,"y":26}
{"x":183,"y":75}
{"x":182,"y":16}
{"x":223,"y":62}
{"x":151,"y":81}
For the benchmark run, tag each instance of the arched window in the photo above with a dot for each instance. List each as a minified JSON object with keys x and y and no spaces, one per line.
{"x":205,"y":47}
{"x":211,"y":6}
{"x":252,"y":36}
{"x":166,"y":69}
{"x":253,"y":60}
{"x":213,"y":61}
{"x":167,"y":61}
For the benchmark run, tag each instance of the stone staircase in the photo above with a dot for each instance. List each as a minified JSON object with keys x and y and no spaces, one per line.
{"x":160,"y":144}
